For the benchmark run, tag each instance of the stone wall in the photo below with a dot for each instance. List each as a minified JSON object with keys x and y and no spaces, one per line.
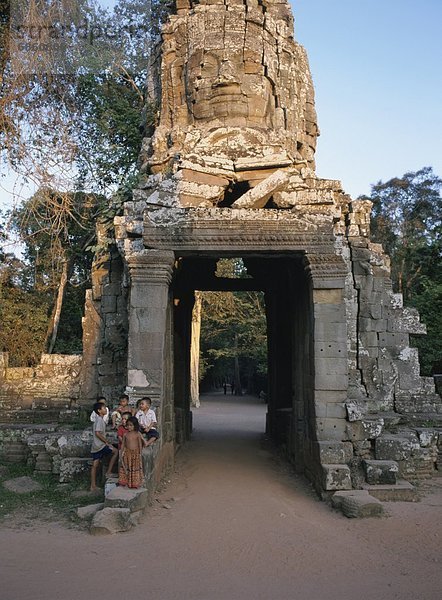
{"x":39,"y":392}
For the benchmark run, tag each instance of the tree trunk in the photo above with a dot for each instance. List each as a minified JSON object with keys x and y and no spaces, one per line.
{"x":195,"y":351}
{"x":237,"y":377}
{"x":51,"y":336}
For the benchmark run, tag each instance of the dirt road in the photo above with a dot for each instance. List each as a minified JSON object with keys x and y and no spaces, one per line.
{"x":235,"y":524}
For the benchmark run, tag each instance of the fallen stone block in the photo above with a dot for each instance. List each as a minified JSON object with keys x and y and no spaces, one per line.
{"x":111,"y":520}
{"x":338,"y":497}
{"x":380,"y":471}
{"x":358,"y":507}
{"x":22,"y":485}
{"x":86,"y":512}
{"x":122,"y":497}
{"x":357,"y":504}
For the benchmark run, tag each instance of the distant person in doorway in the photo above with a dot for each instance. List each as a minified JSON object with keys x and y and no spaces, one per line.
{"x":232,"y":387}
{"x":225,"y":388}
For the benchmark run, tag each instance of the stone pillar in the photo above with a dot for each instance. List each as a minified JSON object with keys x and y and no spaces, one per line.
{"x":195,"y":351}
{"x":331,"y":364}
{"x":330,"y":372}
{"x":148,"y":347}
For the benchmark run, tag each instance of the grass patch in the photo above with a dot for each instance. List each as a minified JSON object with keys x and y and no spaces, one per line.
{"x":53,"y":499}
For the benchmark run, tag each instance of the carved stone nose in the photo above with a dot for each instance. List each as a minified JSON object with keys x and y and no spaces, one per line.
{"x":224,"y":79}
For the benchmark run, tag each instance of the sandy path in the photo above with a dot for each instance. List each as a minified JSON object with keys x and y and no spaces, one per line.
{"x":239,"y":527}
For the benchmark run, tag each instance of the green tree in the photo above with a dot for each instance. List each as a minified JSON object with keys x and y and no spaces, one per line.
{"x":57,"y":230}
{"x":406,"y":219}
{"x":233,"y":334}
{"x":71,"y":131}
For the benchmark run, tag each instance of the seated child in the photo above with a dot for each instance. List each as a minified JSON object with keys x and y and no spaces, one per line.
{"x":147,"y":420}
{"x":131,"y":467}
{"x":122,"y":407}
{"x":101,"y":400}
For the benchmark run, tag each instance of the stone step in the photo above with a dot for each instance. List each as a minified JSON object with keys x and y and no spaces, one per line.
{"x":123,"y":497}
{"x":401,"y":491}
{"x":380,"y":471}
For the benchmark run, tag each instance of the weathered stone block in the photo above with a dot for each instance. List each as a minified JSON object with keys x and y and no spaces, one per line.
{"x":72,"y":467}
{"x":355,"y":432}
{"x":111,"y":520}
{"x":331,"y":381}
{"x":333,"y":366}
{"x":402,"y":491}
{"x":87,"y":512}
{"x":330,"y":331}
{"x":372,"y":427}
{"x":373,"y":325}
{"x":331,"y":429}
{"x":335,"y":411}
{"x":22,"y":485}
{"x":393,"y":447}
{"x":355,"y":411}
{"x":362,"y":448}
{"x":380,"y":471}
{"x":133,"y":499}
{"x":370,"y":310}
{"x":332,"y":452}
{"x":427,"y":437}
{"x":336,"y":477}
{"x":358,"y":507}
{"x":394,"y":340}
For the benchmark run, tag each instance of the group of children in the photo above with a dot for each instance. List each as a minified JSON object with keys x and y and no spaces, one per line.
{"x":134,"y":432}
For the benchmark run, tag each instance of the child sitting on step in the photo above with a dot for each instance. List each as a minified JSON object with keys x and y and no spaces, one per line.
{"x":147,"y":420}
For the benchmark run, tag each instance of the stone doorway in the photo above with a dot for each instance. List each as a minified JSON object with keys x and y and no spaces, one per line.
{"x":288,"y":299}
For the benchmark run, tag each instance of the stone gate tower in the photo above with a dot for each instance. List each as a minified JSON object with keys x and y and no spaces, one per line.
{"x":229,"y":172}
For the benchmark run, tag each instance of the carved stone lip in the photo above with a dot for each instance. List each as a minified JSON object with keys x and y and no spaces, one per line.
{"x":225,"y":89}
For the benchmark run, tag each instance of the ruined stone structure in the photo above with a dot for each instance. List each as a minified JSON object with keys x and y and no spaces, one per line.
{"x":229,"y":172}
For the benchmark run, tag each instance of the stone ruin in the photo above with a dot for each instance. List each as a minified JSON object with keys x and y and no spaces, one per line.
{"x":229,"y":172}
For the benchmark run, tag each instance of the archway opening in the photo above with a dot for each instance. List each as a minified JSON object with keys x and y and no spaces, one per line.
{"x":286,"y":292}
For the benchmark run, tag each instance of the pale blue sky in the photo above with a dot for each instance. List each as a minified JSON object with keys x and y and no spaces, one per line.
{"x":376,"y":66}
{"x":377,"y":71}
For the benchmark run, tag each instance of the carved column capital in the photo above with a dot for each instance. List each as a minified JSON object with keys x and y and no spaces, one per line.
{"x":154,"y":266}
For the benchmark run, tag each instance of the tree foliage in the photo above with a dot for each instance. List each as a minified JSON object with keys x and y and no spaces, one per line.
{"x":76,"y":121}
{"x":406,"y":219}
{"x":71,"y":125}
{"x":233,"y":334}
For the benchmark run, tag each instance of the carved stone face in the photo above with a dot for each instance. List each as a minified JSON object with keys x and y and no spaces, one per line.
{"x":222,"y":84}
{"x":237,"y":71}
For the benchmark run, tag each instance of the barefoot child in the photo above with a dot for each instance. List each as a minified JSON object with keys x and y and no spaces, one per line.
{"x":100,"y":446}
{"x":131,"y":466}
